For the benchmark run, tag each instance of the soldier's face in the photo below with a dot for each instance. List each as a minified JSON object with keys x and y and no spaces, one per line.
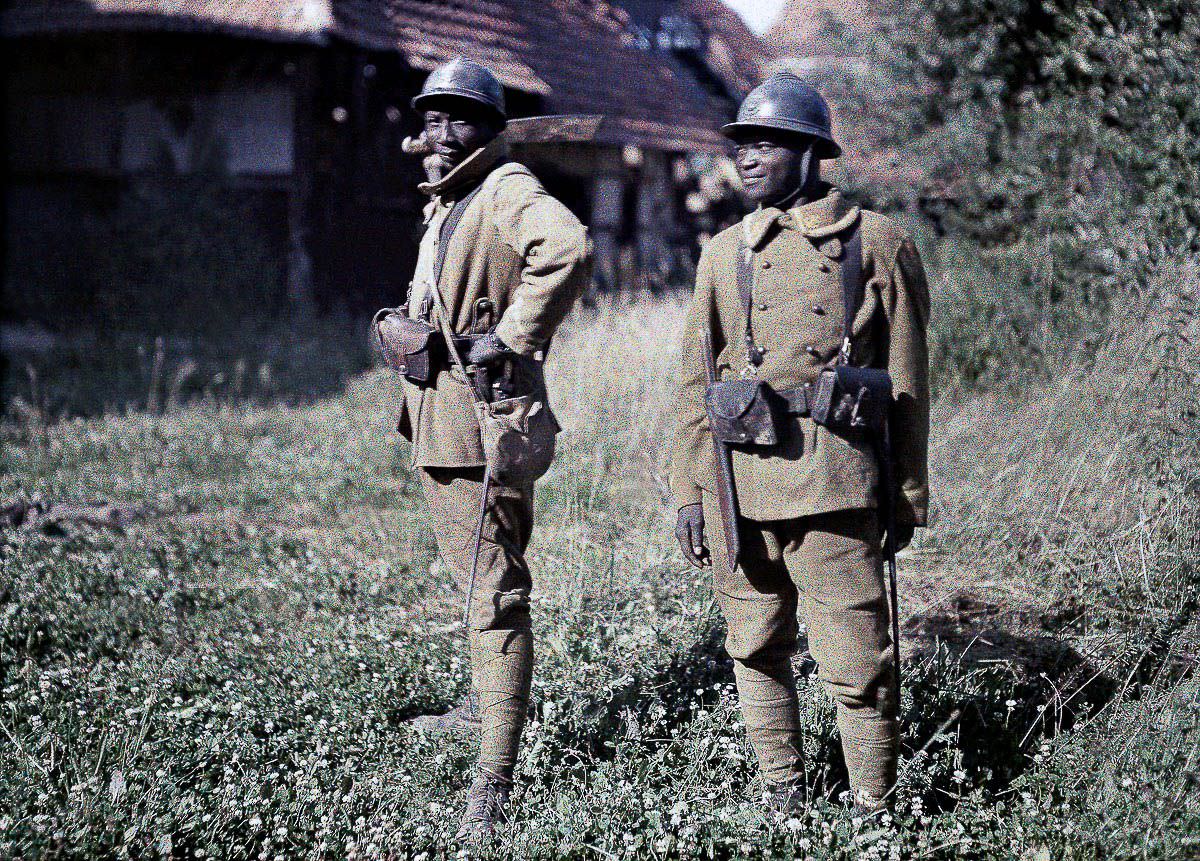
{"x":458,"y":127}
{"x":772,"y":165}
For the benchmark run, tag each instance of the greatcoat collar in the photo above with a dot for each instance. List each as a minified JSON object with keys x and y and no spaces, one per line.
{"x":473,"y":169}
{"x":820,"y":220}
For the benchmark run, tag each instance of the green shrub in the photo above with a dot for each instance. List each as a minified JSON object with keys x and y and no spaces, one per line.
{"x":1055,"y":144}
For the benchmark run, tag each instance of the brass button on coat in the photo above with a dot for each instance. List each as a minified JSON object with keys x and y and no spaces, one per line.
{"x":823,"y":266}
{"x":819,"y":310}
{"x":813,"y":351}
{"x":766,"y":264}
{"x":763,"y":306}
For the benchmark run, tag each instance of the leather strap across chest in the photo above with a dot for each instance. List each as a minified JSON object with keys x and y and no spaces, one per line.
{"x":449,"y":226}
{"x":853,"y":290}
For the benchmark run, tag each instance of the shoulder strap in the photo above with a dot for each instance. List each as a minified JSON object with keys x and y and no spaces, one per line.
{"x":449,"y":226}
{"x":852,"y":286}
{"x":745,"y":285}
{"x":443,"y":316}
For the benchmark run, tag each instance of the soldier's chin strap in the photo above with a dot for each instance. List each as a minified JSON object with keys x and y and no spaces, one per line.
{"x":809,"y":173}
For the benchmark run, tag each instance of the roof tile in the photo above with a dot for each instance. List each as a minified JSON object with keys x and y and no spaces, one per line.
{"x":578,"y":55}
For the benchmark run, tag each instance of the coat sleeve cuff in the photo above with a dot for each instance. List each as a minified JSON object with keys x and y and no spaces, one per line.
{"x":687,"y":495}
{"x":508,"y":332}
{"x":912,"y":509}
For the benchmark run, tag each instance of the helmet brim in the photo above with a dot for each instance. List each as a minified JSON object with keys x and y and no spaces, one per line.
{"x":422,"y":101}
{"x":827,"y":147}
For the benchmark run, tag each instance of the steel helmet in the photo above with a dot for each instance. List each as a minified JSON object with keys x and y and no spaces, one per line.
{"x":785,"y":102}
{"x":466,"y":79}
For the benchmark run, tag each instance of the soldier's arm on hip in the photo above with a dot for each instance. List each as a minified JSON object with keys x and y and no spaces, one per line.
{"x":555,"y":261}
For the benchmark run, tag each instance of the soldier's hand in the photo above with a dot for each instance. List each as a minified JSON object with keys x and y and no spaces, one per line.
{"x":689,"y":532}
{"x":904,"y":536}
{"x":488,"y":349}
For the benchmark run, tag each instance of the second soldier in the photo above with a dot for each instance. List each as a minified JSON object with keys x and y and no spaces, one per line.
{"x":500,"y":265}
{"x":767,"y":320}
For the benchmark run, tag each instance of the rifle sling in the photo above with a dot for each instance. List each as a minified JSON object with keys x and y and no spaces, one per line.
{"x":745,"y":286}
{"x":445,"y":234}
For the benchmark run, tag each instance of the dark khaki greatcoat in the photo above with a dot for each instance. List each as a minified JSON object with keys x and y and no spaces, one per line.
{"x":515,"y":245}
{"x":797,"y":318}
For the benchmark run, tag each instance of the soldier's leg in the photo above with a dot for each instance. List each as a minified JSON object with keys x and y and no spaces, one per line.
{"x":758,"y":602}
{"x":837,"y":565}
{"x":501,"y":644}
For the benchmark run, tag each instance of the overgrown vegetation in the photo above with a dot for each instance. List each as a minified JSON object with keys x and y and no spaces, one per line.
{"x":229,"y":675}
{"x":1056,"y":145}
{"x":57,"y":376}
{"x":230,"y":678}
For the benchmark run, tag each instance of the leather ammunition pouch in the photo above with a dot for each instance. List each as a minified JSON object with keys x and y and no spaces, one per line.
{"x":748,"y":412}
{"x":411,"y":347}
{"x":847,"y":398}
{"x":742,"y":412}
{"x":414,"y":348}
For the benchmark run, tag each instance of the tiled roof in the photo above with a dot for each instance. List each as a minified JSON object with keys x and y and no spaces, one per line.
{"x":578,"y":55}
{"x":586,"y":52}
{"x":276,"y":19}
{"x":732,"y":52}
{"x":429,"y":32}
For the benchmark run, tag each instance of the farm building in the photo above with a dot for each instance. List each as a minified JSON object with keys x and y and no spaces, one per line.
{"x":303,"y":104}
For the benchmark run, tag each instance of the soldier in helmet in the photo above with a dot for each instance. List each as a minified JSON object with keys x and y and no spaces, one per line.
{"x":810,"y":538}
{"x":508,"y":261}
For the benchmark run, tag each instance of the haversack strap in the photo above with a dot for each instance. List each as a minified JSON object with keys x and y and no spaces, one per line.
{"x":444,"y":235}
{"x":448,"y":227}
{"x":852,"y":287}
{"x":745,"y":285}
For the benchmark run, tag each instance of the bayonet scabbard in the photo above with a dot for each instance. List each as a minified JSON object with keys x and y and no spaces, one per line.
{"x":726,"y":489}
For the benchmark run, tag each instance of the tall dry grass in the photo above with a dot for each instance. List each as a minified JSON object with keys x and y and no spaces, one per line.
{"x":1079,"y":495}
{"x":1087,"y":484}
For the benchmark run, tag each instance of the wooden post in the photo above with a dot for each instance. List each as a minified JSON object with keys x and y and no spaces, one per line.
{"x":299,"y":262}
{"x":607,"y":193}
{"x":653,"y":220}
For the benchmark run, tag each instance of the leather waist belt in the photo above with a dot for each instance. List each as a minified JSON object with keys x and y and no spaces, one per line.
{"x":799,"y":400}
{"x":462,"y":342}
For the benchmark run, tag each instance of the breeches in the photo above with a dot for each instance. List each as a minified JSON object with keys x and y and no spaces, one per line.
{"x":498,"y":632}
{"x":828,"y":569}
{"x":502,"y":581}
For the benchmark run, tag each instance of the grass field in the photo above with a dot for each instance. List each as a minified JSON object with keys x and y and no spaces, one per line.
{"x":229,"y":674}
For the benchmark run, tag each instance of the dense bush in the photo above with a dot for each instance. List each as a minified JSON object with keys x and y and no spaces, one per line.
{"x":1056,"y":145}
{"x":1041,"y":115}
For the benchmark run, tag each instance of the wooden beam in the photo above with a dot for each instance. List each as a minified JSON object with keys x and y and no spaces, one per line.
{"x":299,"y":262}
